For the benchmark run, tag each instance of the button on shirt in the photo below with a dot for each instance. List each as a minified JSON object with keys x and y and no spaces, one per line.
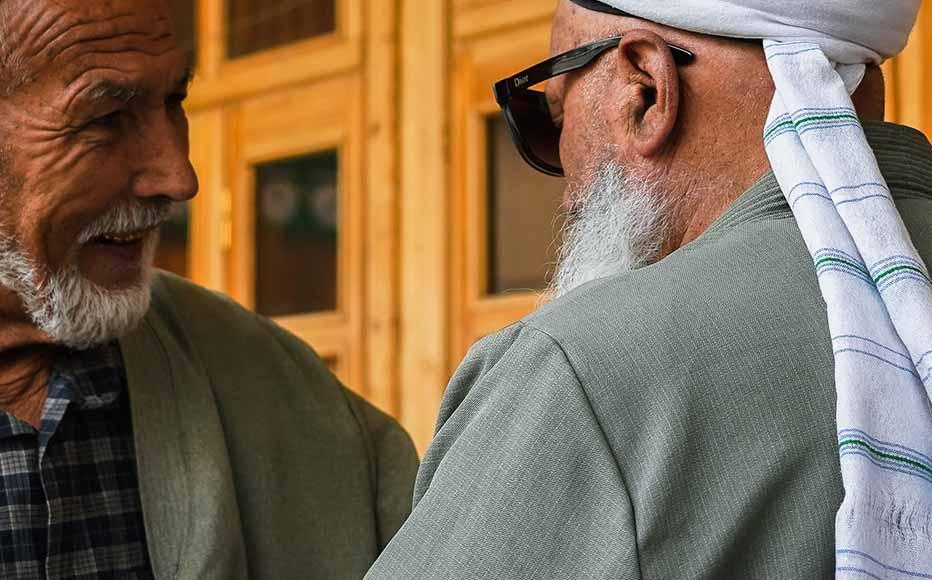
{"x":69,"y":493}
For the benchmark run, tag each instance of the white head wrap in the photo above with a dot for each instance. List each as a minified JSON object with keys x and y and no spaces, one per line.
{"x":848,"y":31}
{"x":876,"y":287}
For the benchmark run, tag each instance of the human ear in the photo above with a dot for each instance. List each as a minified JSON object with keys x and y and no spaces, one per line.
{"x":650,"y":87}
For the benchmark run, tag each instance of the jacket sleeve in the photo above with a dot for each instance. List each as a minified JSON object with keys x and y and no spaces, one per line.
{"x":519,"y":482}
{"x":393,"y":465}
{"x":391,"y":455}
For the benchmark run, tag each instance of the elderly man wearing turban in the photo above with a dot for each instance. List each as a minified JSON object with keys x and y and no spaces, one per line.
{"x":734,"y":381}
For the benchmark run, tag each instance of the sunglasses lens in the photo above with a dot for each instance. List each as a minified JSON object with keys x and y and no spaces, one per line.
{"x":537,"y":133}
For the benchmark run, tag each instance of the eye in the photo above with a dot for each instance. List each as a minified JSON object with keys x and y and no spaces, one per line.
{"x":109,"y":121}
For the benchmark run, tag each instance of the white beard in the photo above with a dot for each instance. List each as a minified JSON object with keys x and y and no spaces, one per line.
{"x":621,"y":225}
{"x":68,"y":307}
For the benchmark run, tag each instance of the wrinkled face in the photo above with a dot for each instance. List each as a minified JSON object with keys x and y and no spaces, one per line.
{"x":95,"y":144}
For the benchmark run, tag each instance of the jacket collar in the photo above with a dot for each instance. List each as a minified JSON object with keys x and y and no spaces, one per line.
{"x":186,"y":481}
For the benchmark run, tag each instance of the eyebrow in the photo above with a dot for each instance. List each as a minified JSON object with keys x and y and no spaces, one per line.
{"x":111,"y":90}
{"x":126,"y":93}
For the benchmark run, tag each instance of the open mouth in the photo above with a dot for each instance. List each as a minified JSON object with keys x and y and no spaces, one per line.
{"x":116,"y":259}
{"x":123,"y":239}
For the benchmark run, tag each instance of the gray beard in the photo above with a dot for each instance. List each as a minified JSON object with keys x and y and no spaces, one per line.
{"x":621,"y":224}
{"x":69,"y":308}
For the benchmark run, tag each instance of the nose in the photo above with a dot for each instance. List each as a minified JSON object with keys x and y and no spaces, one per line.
{"x":160,"y":156}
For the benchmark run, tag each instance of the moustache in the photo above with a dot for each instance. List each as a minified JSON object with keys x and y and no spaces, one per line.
{"x":128,"y":218}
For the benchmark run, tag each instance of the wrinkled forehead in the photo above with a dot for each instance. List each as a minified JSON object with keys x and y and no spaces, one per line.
{"x":67,"y":38}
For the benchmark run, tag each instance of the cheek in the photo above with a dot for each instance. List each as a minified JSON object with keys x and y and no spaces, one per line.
{"x":583,"y":143}
{"x":65,"y":187}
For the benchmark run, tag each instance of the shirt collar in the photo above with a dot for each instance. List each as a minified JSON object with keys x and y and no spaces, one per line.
{"x":91,"y":379}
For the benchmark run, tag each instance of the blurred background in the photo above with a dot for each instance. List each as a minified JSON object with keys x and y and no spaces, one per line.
{"x":359,"y":186}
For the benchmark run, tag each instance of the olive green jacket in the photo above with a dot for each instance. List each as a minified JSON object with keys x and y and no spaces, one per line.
{"x":672,"y":423}
{"x":253,"y":461}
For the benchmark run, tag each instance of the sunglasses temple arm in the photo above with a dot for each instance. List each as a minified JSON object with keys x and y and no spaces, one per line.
{"x":555,"y":66}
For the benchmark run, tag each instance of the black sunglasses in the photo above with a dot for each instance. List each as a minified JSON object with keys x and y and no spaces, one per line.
{"x":535,"y":134}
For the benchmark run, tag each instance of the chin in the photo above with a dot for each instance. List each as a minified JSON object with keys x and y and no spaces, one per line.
{"x":118,"y":267}
{"x":80,"y":314}
{"x":77,"y":309}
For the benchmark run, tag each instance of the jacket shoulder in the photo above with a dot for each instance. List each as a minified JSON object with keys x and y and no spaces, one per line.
{"x":710,"y":374}
{"x":313,"y":462}
{"x":246,"y":355}
{"x":176,"y":298}
{"x":706,"y":293}
{"x":227,"y":335}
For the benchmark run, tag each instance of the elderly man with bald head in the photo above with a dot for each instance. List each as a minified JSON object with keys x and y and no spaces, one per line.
{"x":149,"y":428}
{"x":734,"y":378}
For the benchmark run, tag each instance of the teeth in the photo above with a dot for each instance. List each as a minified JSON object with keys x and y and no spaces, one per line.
{"x":121,"y":239}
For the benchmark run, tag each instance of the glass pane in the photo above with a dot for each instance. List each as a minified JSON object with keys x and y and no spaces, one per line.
{"x":524,"y":217}
{"x":172,"y":254}
{"x":296,"y":235}
{"x":184,"y":14}
{"x":254,"y":25}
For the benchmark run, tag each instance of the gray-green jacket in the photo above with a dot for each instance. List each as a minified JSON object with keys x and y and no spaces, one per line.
{"x":254,"y":462}
{"x":672,"y":423}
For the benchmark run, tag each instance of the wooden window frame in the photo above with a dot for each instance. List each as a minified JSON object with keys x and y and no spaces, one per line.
{"x":478,"y":63}
{"x":263,"y":131}
{"x":363,"y":336}
{"x":221,"y":79}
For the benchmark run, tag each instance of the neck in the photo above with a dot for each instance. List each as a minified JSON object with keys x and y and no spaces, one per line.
{"x":26,"y":359}
{"x":747,"y":163}
{"x":706,"y":195}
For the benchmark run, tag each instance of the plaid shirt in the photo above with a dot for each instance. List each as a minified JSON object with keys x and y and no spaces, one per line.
{"x":69,"y":495}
